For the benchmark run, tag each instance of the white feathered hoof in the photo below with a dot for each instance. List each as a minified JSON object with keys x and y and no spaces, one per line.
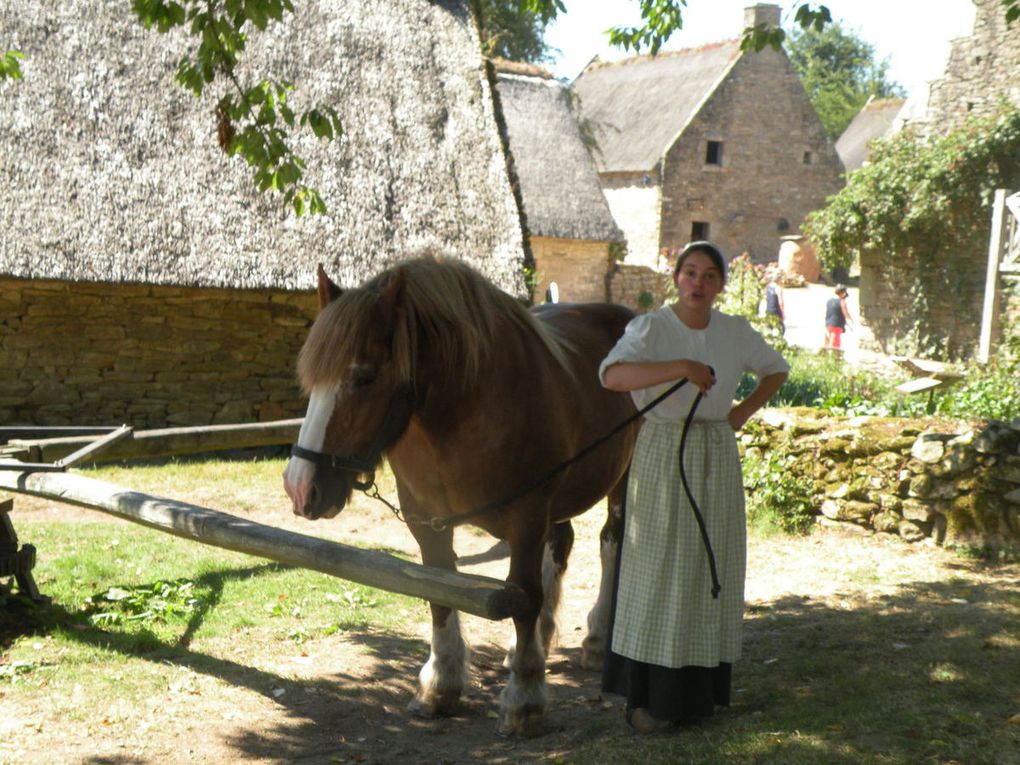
{"x":593,"y":654}
{"x":431,"y":704}
{"x":527,"y":722}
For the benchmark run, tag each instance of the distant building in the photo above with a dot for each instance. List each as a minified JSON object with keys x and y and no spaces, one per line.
{"x":707,"y":143}
{"x":566,"y":217}
{"x":877,"y":119}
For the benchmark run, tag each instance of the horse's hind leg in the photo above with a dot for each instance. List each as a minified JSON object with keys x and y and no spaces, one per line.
{"x":443,"y":677}
{"x":593,"y":649}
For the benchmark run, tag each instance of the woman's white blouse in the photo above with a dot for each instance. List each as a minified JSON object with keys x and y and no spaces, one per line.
{"x":729,"y":344}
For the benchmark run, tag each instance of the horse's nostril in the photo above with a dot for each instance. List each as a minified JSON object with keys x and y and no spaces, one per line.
{"x":313,"y":496}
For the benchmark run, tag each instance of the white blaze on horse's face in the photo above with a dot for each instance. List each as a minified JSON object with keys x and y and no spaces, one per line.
{"x":297,"y":477}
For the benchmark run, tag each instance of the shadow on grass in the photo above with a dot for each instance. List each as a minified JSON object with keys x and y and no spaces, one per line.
{"x":929,"y":673}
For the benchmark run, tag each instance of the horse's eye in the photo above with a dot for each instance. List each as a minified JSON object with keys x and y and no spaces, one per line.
{"x":362,"y":378}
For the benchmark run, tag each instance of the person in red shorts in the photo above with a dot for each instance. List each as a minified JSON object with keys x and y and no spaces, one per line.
{"x":837,"y":318}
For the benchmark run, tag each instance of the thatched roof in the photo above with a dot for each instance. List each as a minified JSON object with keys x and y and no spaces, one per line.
{"x":109,"y":171}
{"x":636,"y":108}
{"x":559,"y":184}
{"x":875,"y":120}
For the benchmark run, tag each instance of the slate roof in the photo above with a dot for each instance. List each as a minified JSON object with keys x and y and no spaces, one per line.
{"x":109,"y":171}
{"x":636,"y":108}
{"x":559,"y":184}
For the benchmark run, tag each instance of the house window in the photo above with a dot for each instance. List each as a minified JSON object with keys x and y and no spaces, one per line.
{"x":807,"y":158}
{"x":699,"y":231}
{"x":713,"y":154}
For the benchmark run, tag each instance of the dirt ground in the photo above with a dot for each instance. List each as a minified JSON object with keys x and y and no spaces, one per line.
{"x":343,"y":699}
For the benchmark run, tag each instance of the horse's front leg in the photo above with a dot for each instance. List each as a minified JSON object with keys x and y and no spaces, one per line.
{"x":522,"y":703}
{"x":593,"y":649}
{"x":444,"y":676}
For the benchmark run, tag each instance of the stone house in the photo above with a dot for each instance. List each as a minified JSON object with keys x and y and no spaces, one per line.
{"x":143,"y":281}
{"x":707,"y":143}
{"x":567,"y":220}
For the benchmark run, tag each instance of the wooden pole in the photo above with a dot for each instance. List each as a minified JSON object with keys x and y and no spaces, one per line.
{"x":165,"y":442}
{"x":479,"y":595}
{"x":990,"y":307}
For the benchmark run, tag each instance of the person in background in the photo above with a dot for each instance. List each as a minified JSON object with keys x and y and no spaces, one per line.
{"x":837,"y":318}
{"x":774,"y":298}
{"x":672,"y":645}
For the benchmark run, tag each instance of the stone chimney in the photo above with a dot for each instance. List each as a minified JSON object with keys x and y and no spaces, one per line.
{"x":762,"y":13}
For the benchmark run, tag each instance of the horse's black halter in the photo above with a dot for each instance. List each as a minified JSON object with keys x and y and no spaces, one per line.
{"x":401,"y":403}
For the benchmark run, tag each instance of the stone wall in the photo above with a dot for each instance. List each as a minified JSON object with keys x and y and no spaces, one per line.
{"x":776,"y":165}
{"x":637,"y":287}
{"x":149,"y":357}
{"x":634,"y":200}
{"x":982,"y":68}
{"x":940,"y":480}
{"x":579,"y":267}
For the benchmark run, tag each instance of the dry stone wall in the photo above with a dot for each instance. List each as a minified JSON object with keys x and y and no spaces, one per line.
{"x":149,"y":357}
{"x":637,"y":287}
{"x":946,"y":481}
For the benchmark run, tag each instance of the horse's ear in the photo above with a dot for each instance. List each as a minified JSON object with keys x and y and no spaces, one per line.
{"x":328,"y":291}
{"x":390,"y":296}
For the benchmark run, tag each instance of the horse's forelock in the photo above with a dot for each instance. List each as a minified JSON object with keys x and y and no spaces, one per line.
{"x":455,"y":311}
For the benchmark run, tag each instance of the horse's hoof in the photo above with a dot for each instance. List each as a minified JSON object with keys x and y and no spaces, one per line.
{"x":434,"y":705}
{"x":592,"y":658}
{"x":527,"y":722}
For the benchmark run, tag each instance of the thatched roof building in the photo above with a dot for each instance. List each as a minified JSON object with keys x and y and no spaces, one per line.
{"x":142,"y":279}
{"x":110,"y":172}
{"x":559,"y":184}
{"x":876,"y":119}
{"x":567,"y":218}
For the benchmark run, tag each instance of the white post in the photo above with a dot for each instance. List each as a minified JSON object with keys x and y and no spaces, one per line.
{"x":990,"y":310}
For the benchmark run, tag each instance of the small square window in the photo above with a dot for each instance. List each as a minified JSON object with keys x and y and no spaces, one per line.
{"x":699,"y":231}
{"x":713,"y":154}
{"x":808,"y":158}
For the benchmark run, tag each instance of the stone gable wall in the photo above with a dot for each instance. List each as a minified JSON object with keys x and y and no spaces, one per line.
{"x":635,"y":202}
{"x":149,"y":357}
{"x":579,"y":268}
{"x":982,"y":68}
{"x":763,"y":189}
{"x":943,"y":481}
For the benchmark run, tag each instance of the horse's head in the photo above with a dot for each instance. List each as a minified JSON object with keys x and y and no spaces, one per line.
{"x":360,"y":395}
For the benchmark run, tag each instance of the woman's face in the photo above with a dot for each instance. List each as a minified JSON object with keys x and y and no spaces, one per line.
{"x":698,"y":282}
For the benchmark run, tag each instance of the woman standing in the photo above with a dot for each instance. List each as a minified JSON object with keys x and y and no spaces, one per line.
{"x":672,"y":643}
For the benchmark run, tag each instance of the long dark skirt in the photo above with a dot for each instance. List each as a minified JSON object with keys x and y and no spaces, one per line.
{"x":682,"y":694}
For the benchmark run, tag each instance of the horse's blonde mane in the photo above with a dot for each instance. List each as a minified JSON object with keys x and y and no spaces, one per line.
{"x":458,"y":314}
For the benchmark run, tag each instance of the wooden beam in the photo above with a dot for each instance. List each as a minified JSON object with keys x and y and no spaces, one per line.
{"x":480,"y":595}
{"x":168,"y":442}
{"x":990,"y":304}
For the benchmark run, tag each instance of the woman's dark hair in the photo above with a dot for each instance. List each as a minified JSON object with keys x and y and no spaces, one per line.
{"x":706,"y":248}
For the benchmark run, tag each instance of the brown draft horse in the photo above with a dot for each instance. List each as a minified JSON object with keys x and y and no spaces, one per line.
{"x":470,"y":397}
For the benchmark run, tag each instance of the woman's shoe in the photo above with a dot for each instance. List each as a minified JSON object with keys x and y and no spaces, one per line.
{"x":641,"y":720}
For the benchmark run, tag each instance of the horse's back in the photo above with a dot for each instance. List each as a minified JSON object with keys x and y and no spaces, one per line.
{"x":585,"y":327}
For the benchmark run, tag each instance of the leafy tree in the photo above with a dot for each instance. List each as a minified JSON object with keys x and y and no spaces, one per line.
{"x":839,"y":73}
{"x":924,"y":202}
{"x":510,"y":30}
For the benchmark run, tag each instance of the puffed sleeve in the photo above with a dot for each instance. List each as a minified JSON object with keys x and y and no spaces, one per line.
{"x":760,"y":358}
{"x":633,"y":345}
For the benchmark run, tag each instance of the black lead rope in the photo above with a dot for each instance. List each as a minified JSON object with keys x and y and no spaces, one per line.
{"x":716,"y":587}
{"x":441,"y":524}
